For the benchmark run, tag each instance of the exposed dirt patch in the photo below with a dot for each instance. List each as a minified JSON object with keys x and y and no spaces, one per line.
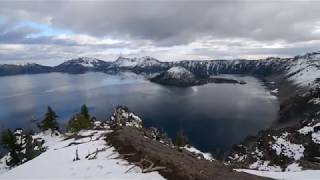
{"x":134,"y":145}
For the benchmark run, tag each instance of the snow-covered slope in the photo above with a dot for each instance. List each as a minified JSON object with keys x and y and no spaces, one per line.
{"x":145,"y":64}
{"x":261,"y":67}
{"x":85,"y":62}
{"x":305,"y":70}
{"x":82,"y":64}
{"x":123,"y":62}
{"x":96,"y":160}
{"x":146,"y":61}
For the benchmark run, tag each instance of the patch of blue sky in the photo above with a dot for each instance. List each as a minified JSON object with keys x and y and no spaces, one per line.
{"x":3,"y":20}
{"x":44,"y":29}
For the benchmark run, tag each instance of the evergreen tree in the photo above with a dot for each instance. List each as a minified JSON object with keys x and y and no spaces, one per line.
{"x":80,"y":121}
{"x":30,"y":152}
{"x":9,"y":142}
{"x":85,"y":111}
{"x":49,"y":121}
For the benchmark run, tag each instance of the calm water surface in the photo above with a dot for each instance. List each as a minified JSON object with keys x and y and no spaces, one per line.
{"x":213,"y":116}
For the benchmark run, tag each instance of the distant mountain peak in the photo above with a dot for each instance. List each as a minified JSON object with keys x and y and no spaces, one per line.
{"x":84,"y":59}
{"x":125,"y":62}
{"x":81,"y":64}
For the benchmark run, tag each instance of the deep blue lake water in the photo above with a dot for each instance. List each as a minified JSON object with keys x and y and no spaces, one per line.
{"x":213,"y":116}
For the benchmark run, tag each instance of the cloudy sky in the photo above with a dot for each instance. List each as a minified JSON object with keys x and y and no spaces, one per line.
{"x":49,"y":32}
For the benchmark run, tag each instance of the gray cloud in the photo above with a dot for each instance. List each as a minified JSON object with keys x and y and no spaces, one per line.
{"x":150,"y":25}
{"x":178,"y":22}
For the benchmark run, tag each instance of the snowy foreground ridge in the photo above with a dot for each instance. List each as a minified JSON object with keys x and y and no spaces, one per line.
{"x":96,"y":160}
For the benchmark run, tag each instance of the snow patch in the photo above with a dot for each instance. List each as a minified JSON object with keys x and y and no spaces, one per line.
{"x":314,"y":101}
{"x":192,"y":149}
{"x":179,"y":72}
{"x":143,"y":62}
{"x":264,"y":166}
{"x":294,"y":167}
{"x":301,"y":175}
{"x":316,"y":137}
{"x":310,"y":129}
{"x":275,"y":91}
{"x":282,"y":146}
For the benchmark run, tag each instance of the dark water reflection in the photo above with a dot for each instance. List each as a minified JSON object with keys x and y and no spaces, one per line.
{"x":213,"y":116}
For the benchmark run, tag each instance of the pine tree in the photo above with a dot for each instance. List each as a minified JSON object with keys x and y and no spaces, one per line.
{"x":30,"y":153}
{"x":80,"y":121}
{"x":85,"y":111}
{"x":49,"y":121}
{"x":9,"y":142}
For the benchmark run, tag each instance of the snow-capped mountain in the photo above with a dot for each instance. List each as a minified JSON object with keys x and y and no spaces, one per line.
{"x":254,"y":67}
{"x":145,"y":64}
{"x":123,"y":62}
{"x":146,"y":61}
{"x":85,"y":61}
{"x":303,"y":70}
{"x":295,"y":67}
{"x":82,"y":64}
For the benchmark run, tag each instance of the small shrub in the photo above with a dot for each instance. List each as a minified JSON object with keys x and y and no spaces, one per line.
{"x":181,"y":140}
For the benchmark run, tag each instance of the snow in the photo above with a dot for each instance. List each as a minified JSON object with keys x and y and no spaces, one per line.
{"x":316,"y":137}
{"x":125,"y":62}
{"x":310,"y":129}
{"x":133,"y":62}
{"x":192,"y":149}
{"x":314,"y":101}
{"x":88,"y":62}
{"x":307,"y":129}
{"x":84,"y":61}
{"x":179,"y":72}
{"x":58,"y":161}
{"x":238,"y":158}
{"x":282,"y":146}
{"x":293,"y":167}
{"x":178,"y":69}
{"x":264,"y":166}
{"x":300,"y":175}
{"x":275,"y":91}
{"x":304,"y":71}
